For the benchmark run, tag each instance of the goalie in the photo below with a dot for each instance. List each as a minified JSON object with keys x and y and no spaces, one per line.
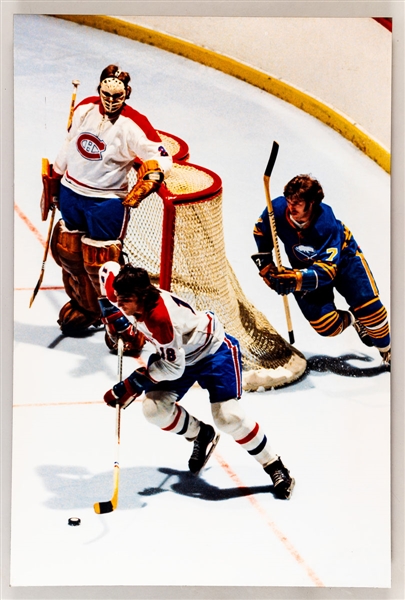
{"x":176,"y":346}
{"x":89,"y":185}
{"x":324,"y":257}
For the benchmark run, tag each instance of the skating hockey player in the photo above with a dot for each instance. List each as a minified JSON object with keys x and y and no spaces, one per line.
{"x":324,"y":257}
{"x":181,"y":346}
{"x":105,"y":137}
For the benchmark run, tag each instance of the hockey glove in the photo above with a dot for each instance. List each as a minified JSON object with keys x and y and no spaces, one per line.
{"x":264,"y":262}
{"x":150,"y":176}
{"x":287,"y":280}
{"x":50,"y":193}
{"x":106,"y":275}
{"x":117,"y":325}
{"x":124,"y":392}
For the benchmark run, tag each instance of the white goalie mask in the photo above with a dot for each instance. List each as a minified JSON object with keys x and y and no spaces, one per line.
{"x":112,"y":94}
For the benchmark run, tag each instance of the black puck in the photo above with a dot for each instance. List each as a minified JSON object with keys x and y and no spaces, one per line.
{"x":74,"y":521}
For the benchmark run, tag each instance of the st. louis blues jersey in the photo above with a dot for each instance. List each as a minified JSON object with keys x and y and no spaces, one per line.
{"x":98,"y":153}
{"x":321,"y":244}
{"x":177,"y":336}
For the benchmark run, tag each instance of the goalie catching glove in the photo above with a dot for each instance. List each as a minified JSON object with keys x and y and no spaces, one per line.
{"x":149,"y":178}
{"x":284,"y":281}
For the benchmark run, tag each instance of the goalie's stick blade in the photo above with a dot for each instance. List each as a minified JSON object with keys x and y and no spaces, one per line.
{"x":272,"y":159}
{"x":103,"y":507}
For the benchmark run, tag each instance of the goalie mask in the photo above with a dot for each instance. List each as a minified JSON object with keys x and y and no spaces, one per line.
{"x":112,"y":94}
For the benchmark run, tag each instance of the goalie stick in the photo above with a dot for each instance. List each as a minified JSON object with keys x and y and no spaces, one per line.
{"x":75,"y":84}
{"x":106,"y":507}
{"x":46,"y":171}
{"x":266,"y":179}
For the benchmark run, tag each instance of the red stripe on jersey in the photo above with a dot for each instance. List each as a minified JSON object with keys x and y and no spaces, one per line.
{"x":250,"y":436}
{"x":238,"y":375}
{"x":176,"y":420}
{"x":142,"y":122}
{"x":159,"y":323}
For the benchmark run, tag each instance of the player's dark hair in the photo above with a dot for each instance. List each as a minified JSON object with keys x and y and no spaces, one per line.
{"x":115,"y":71}
{"x":135,"y":280}
{"x":304,"y":187}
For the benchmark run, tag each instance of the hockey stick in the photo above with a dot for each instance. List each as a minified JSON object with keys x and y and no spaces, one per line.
{"x":48,"y":240}
{"x":75,"y":84}
{"x":266,"y":178}
{"x":45,"y":170}
{"x":106,"y":507}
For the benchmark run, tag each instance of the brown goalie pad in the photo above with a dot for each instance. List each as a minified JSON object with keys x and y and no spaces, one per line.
{"x":95,"y":253}
{"x":66,"y":249}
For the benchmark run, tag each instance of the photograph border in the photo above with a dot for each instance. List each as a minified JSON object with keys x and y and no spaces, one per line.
{"x":303,"y":8}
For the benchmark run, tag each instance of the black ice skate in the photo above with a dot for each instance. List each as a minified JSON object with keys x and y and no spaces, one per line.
{"x":204,"y":445}
{"x":280,"y":476}
{"x":362,"y":333}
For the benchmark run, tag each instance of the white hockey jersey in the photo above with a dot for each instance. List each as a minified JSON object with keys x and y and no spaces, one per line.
{"x":177,"y":336}
{"x":98,"y":153}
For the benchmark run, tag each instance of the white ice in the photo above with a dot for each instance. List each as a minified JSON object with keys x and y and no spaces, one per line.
{"x":332,"y":431}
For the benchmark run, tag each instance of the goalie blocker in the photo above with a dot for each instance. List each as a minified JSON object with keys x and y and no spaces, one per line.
{"x":51,"y":185}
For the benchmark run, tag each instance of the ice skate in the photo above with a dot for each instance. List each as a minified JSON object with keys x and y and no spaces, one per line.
{"x":204,"y":445}
{"x":362,"y":333}
{"x":280,"y":476}
{"x":386,"y":357}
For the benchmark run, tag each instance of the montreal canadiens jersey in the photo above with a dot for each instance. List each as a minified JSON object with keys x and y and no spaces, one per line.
{"x":177,"y":336}
{"x":320,"y":244}
{"x":98,"y":153}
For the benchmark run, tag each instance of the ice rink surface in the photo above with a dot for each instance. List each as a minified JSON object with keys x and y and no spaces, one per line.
{"x":332,"y":431}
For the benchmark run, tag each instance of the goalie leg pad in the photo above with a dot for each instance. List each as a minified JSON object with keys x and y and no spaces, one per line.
{"x":67,"y":251}
{"x":95,"y":254}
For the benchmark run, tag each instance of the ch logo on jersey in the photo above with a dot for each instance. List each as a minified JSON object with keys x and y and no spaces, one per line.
{"x":163,"y":151}
{"x":90,"y":146}
{"x":304,"y":253}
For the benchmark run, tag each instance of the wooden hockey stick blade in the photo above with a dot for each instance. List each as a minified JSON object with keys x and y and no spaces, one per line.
{"x":36,"y":289}
{"x":108,"y":506}
{"x":41,"y":276}
{"x":272,"y":159}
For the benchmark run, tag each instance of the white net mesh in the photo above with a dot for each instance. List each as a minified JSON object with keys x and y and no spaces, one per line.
{"x":201,"y":273}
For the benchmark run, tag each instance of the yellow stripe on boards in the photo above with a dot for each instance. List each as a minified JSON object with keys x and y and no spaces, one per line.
{"x":321,"y":111}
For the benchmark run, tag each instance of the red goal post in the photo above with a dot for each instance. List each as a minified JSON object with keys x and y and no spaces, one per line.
{"x":177,"y":236}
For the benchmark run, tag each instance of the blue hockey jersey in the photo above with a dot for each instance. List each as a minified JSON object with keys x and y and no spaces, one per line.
{"x":321,"y":244}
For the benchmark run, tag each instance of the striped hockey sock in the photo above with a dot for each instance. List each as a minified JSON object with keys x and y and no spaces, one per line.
{"x":255,"y":442}
{"x":183,"y":423}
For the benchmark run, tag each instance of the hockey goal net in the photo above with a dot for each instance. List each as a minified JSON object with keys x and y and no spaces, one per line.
{"x":177,"y":236}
